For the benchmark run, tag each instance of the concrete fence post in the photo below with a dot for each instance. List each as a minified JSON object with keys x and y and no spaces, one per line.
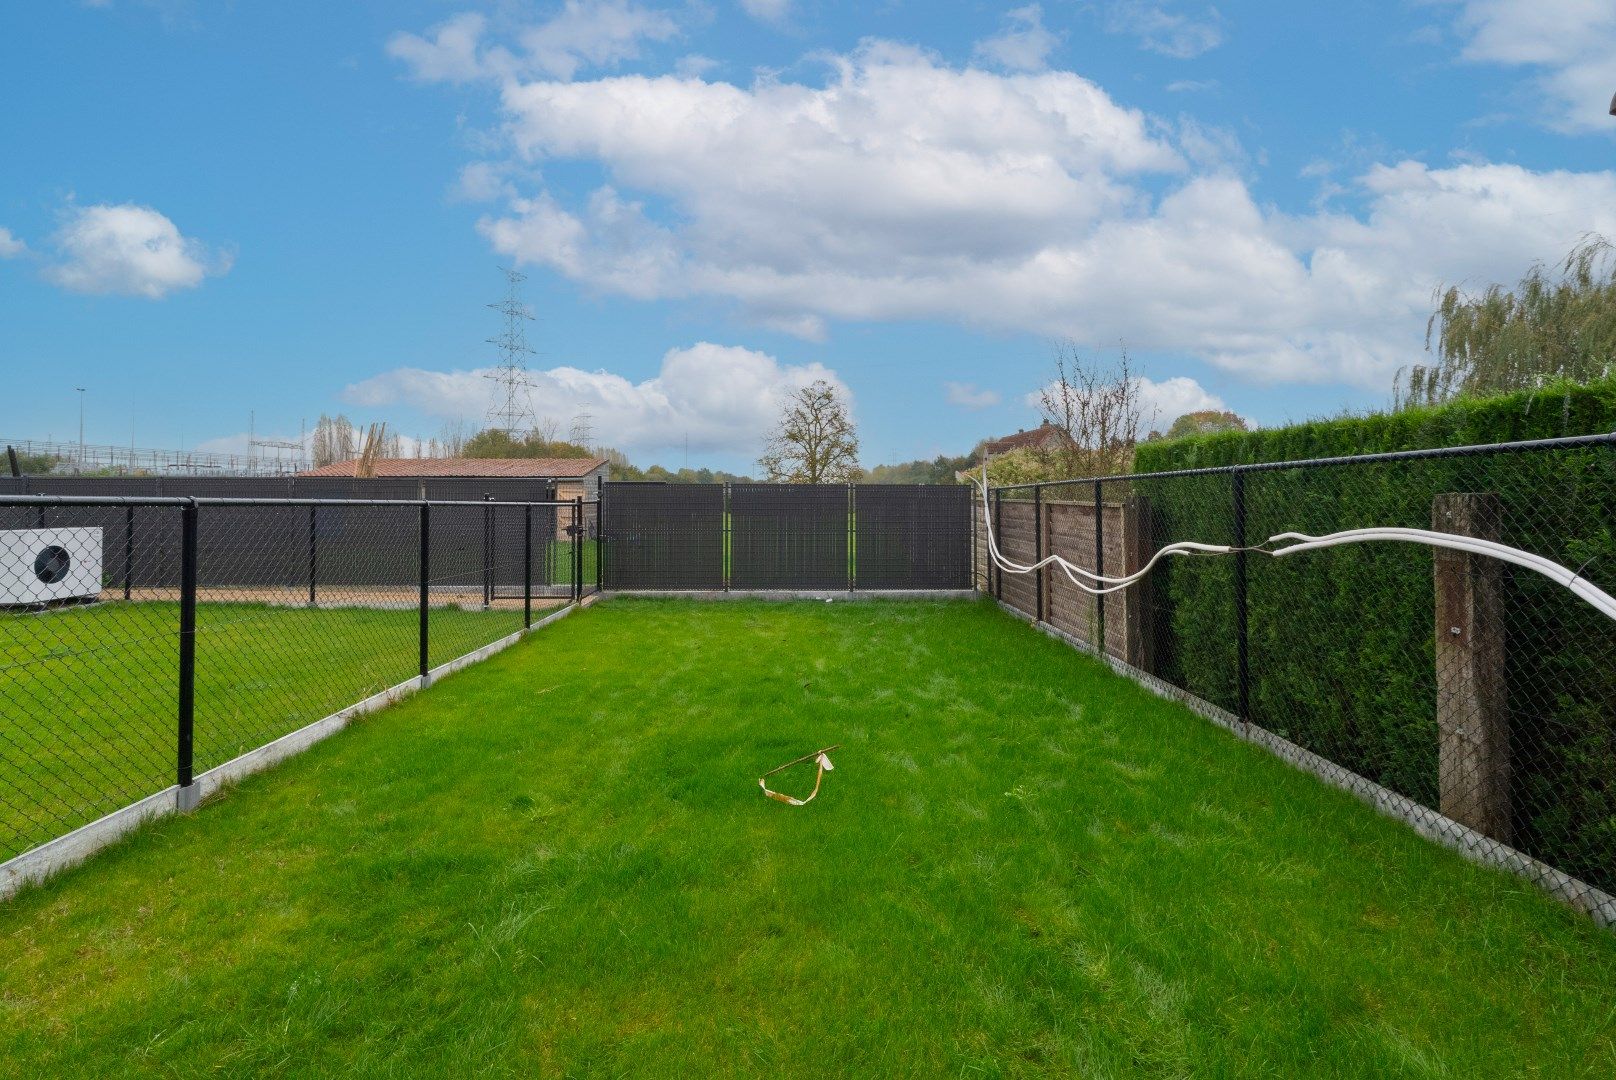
{"x":1472,"y":709}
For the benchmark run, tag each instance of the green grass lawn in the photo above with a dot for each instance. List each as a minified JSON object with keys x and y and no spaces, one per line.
{"x":557,"y":863}
{"x":88,"y":695}
{"x":561,"y":568}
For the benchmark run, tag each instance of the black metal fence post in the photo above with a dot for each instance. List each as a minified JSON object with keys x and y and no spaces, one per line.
{"x":975,"y":560}
{"x":600,"y":537}
{"x":313,"y":556}
{"x":1242,"y":645}
{"x":128,"y":551}
{"x":1038,"y":544}
{"x":1099,"y":565}
{"x":852,"y":539}
{"x":426,"y":563}
{"x":488,"y":553}
{"x":185,"y":742}
{"x":577,"y":548}
{"x":527,"y":565}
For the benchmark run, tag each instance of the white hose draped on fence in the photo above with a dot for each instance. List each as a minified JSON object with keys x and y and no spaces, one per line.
{"x":1601,"y":601}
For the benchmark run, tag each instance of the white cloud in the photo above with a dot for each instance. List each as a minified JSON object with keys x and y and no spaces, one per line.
{"x":903,"y":188}
{"x":483,"y":181}
{"x":724,"y":398}
{"x":596,"y":33}
{"x":1191,"y":86}
{"x":10,"y":246}
{"x":1570,"y":43}
{"x":584,"y":33}
{"x":967,"y":396}
{"x":1160,"y":403}
{"x":449,"y":55}
{"x":1023,"y":45}
{"x":1163,"y":402}
{"x":1163,"y":31}
{"x":898,"y":169}
{"x":129,"y":250}
{"x":694,"y":65}
{"x":769,"y":11}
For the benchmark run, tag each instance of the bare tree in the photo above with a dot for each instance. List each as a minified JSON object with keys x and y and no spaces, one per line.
{"x":1098,"y":410}
{"x":334,"y":440}
{"x":815,"y":442}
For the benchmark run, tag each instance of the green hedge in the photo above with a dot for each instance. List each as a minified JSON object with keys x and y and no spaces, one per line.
{"x":1341,"y":641}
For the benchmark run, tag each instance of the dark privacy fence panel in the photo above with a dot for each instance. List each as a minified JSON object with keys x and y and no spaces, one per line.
{"x":906,"y":536}
{"x":789,"y":536}
{"x":785,"y":536}
{"x":659,"y":536}
{"x":284,"y":546}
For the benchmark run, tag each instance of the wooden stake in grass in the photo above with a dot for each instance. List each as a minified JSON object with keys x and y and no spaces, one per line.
{"x":824,"y":767}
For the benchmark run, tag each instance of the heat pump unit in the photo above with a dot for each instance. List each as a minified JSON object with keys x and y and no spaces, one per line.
{"x":38,"y":566}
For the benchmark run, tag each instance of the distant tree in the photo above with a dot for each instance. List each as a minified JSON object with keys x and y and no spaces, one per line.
{"x":35,"y":464}
{"x":1023,"y":467}
{"x":814,"y":442}
{"x":619,"y":466}
{"x":334,"y":440}
{"x":1554,"y":325}
{"x":1099,"y":410}
{"x":1205,"y":422}
{"x":451,"y":440}
{"x":498,"y":443}
{"x":940,"y":470}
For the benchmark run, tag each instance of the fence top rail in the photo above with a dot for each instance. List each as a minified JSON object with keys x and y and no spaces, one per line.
{"x":201,"y":500}
{"x":1569,"y":442}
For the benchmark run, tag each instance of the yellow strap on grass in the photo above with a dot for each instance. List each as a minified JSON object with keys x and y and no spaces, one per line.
{"x":824,"y":767}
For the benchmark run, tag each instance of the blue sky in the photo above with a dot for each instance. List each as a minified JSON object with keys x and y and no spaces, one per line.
{"x":208,"y":209}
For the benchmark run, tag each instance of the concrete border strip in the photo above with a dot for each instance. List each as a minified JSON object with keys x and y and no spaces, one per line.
{"x":70,"y":849}
{"x":1598,"y":905}
{"x":796,"y":594}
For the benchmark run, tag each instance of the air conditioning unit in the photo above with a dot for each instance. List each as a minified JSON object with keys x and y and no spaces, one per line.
{"x":38,"y":566}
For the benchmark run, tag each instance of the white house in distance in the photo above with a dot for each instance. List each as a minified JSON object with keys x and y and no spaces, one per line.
{"x":1045,"y":436}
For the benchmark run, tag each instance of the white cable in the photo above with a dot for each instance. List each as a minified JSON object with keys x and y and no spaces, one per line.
{"x":1114,"y":584}
{"x":1596,"y":597}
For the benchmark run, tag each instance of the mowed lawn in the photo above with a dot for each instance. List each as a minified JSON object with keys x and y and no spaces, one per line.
{"x":558,"y":863}
{"x":88,"y":696}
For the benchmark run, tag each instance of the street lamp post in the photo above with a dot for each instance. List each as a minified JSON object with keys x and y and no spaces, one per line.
{"x":80,"y":389}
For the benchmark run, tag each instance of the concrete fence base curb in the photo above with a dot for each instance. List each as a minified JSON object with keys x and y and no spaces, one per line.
{"x":796,"y":594}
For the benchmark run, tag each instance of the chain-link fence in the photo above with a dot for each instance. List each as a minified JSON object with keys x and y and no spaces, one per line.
{"x":144,"y":642}
{"x":1483,"y":692}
